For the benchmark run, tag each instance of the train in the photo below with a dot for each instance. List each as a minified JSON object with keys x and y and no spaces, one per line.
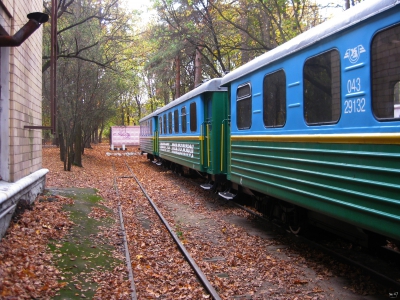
{"x":308,"y":131}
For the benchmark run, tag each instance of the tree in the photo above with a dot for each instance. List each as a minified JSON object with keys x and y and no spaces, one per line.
{"x":92,"y":39}
{"x":210,"y":37}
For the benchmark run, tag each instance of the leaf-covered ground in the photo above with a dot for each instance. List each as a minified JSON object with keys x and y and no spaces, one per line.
{"x":240,"y":259}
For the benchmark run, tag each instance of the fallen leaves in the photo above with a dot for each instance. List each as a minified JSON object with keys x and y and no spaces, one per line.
{"x":238,"y":265}
{"x":98,"y":213}
{"x":26,"y":266}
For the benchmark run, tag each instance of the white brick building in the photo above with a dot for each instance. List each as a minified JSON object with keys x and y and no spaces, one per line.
{"x":22,"y":176}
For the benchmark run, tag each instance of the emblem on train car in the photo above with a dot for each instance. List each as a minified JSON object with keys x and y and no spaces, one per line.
{"x":354,"y":54}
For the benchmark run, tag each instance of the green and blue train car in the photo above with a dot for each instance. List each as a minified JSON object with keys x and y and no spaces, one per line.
{"x":310,"y":129}
{"x":315,"y":126}
{"x":191,"y":131}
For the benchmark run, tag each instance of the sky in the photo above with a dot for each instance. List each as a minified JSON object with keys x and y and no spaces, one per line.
{"x":143,"y":5}
{"x":137,"y":4}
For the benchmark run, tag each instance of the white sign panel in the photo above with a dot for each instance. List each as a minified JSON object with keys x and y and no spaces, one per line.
{"x":125,"y":135}
{"x":177,"y":148}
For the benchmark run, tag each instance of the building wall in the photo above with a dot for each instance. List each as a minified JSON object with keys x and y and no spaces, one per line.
{"x":21,"y":96}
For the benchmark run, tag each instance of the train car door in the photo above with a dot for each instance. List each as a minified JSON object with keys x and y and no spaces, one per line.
{"x":207,"y":129}
{"x":155,"y":136}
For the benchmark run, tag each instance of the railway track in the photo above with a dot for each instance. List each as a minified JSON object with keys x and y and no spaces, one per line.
{"x":274,"y":267}
{"x":382,"y":264}
{"x":135,"y":211}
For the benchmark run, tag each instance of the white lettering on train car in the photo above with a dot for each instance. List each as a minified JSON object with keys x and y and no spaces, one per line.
{"x":354,"y":106}
{"x":177,"y":148}
{"x":354,"y":85}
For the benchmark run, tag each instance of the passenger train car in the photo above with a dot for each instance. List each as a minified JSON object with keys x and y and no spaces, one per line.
{"x":314,"y":129}
{"x":190,"y":133}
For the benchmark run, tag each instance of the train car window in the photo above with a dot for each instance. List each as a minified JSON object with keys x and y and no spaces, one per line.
{"x":170,"y":122}
{"x":274,"y":104}
{"x":150,"y":127}
{"x":183,"y":119}
{"x":176,"y":121}
{"x":165,"y":124}
{"x":193,"y":117}
{"x":243,"y":107}
{"x":321,"y":90}
{"x":385,"y":56}
{"x":161,"y":124}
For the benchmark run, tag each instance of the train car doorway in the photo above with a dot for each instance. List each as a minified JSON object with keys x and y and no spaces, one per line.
{"x":207,"y":142}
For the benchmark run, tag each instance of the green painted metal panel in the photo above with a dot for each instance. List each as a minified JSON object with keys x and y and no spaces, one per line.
{"x":147,"y":145}
{"x":219,"y":134}
{"x":184,"y":152}
{"x":359,"y":184}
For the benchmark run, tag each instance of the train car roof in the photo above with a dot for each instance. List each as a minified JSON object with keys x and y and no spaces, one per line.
{"x":213,"y":85}
{"x":346,"y":19}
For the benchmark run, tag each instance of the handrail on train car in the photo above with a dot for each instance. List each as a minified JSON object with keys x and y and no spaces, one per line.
{"x":222,"y":145}
{"x":201,"y":143}
{"x":222,"y":141}
{"x":158,"y":142}
{"x":208,"y":144}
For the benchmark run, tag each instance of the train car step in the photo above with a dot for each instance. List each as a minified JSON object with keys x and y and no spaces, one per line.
{"x":227,"y":195}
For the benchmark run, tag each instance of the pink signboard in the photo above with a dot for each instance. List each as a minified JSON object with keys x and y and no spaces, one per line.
{"x":125,"y":135}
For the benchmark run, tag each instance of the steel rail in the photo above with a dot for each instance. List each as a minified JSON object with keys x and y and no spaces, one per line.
{"x":207,"y":285}
{"x":127,"y":254}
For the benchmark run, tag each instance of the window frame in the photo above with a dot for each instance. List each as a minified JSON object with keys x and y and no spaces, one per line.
{"x":193,"y":117}
{"x":248,"y":97}
{"x":265,"y":90}
{"x":176,"y":121}
{"x":170,"y":122}
{"x":183,"y":119}
{"x":333,"y":103}
{"x":389,"y":80}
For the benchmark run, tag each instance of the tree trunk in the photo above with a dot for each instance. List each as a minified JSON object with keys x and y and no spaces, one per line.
{"x":70,"y":156}
{"x":177,"y":77}
{"x":62,"y":146}
{"x":128,"y":119}
{"x":96,"y":135}
{"x":87,"y":140}
{"x":78,"y":146}
{"x":101,"y":132}
{"x":244,"y":37}
{"x":197,"y":67}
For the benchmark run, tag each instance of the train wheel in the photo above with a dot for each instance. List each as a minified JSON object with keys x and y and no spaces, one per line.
{"x":295,"y":229}
{"x":294,"y":218}
{"x":179,"y":170}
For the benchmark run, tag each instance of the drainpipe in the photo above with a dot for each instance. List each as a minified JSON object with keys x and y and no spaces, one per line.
{"x":35,"y":20}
